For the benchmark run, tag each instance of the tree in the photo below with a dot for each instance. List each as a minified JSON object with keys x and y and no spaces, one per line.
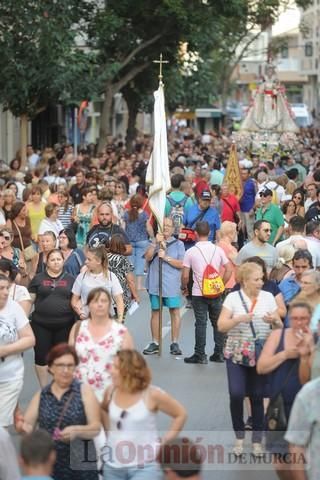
{"x":127,"y":38}
{"x":41,"y":61}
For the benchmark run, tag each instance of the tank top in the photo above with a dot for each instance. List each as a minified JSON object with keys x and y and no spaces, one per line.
{"x":36,"y":215}
{"x":95,"y":358}
{"x":134,"y":441}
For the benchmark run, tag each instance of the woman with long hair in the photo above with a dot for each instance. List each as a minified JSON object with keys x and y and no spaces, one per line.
{"x":36,"y":210}
{"x":97,"y":340}
{"x":298,"y":198}
{"x":123,"y":269}
{"x":96,"y":275}
{"x":9,"y":199}
{"x":138,"y":230}
{"x":119,"y":201}
{"x":74,"y":258}
{"x":68,"y":411}
{"x":20,"y":226}
{"x":65,"y":208}
{"x":289,"y":211}
{"x":82,"y":216}
{"x":53,"y":316}
{"x":130,"y":409}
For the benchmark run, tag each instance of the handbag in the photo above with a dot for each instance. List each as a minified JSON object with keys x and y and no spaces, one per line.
{"x":258,"y":342}
{"x":276,"y":419}
{"x":187,"y":234}
{"x":29,"y":252}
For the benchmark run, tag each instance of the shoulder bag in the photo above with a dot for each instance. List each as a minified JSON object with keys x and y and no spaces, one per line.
{"x":28,"y":252}
{"x":188,"y":234}
{"x":56,"y":435}
{"x":258,"y":342}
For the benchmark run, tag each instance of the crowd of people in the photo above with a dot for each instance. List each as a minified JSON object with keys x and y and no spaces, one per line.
{"x":79,"y":244}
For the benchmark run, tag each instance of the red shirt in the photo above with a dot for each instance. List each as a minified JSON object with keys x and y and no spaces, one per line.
{"x":230,"y":206}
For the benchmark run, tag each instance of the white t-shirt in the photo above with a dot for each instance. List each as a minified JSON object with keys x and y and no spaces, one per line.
{"x":87,"y":281}
{"x":198,"y":260}
{"x":18,"y":293}
{"x":289,"y":241}
{"x":47,"y":225}
{"x":12,"y":319}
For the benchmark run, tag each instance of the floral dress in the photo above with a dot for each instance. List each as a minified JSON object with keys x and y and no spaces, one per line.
{"x":96,"y":358}
{"x":84,"y":222}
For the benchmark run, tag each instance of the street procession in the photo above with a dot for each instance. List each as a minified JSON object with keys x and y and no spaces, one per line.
{"x":159,"y":240}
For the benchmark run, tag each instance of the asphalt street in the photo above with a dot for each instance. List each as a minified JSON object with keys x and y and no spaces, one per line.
{"x":201,"y":388}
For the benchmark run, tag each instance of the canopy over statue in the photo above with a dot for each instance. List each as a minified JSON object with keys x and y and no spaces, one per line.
{"x":269,"y":111}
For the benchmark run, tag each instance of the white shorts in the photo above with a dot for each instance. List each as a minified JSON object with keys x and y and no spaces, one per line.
{"x":9,"y":396}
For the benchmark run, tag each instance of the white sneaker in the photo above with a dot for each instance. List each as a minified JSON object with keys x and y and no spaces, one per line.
{"x":257,"y":450}
{"x":238,"y":447}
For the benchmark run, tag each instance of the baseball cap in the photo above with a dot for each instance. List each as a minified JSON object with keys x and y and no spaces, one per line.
{"x":205,"y":195}
{"x":266,"y":192}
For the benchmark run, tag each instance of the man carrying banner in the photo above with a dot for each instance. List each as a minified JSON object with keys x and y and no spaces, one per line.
{"x":171,"y":251}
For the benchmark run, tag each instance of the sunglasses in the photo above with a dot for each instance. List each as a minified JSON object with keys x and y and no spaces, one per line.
{"x":265,"y":195}
{"x":123,"y":415}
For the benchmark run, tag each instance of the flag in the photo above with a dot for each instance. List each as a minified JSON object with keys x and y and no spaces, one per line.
{"x":232,"y":177}
{"x":158,"y":177}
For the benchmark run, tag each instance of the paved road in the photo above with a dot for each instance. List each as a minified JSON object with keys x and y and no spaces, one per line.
{"x":201,"y":388}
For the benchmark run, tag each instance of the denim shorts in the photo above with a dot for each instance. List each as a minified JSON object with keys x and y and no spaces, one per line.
{"x":169,"y":302}
{"x":149,"y":471}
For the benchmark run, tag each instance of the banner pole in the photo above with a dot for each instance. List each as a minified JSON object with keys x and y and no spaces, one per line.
{"x":160,"y":306}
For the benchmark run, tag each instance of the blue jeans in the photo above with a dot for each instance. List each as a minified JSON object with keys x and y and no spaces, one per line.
{"x":245,"y":381}
{"x":149,"y":471}
{"x":202,"y":307}
{"x":137,"y":260}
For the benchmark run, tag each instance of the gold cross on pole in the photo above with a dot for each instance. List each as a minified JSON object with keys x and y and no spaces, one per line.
{"x":161,"y":61}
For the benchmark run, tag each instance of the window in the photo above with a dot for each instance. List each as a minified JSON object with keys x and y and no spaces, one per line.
{"x":284,"y":51}
{"x":308,"y":49}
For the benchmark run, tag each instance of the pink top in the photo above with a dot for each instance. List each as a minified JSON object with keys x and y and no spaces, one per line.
{"x":194,"y":259}
{"x":230,"y":251}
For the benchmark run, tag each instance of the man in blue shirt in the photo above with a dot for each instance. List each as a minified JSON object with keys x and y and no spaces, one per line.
{"x":290,"y":287}
{"x":203,"y":212}
{"x":247,"y":201}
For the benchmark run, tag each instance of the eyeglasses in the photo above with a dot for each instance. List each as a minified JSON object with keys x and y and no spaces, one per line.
{"x":265,"y":195}
{"x":123,"y":415}
{"x":64,"y":366}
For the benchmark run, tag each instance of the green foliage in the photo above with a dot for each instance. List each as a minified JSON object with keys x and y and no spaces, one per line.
{"x":40,"y":62}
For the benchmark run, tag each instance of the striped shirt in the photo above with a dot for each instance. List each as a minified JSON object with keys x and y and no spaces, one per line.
{"x":65,"y":215}
{"x":240,"y":340}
